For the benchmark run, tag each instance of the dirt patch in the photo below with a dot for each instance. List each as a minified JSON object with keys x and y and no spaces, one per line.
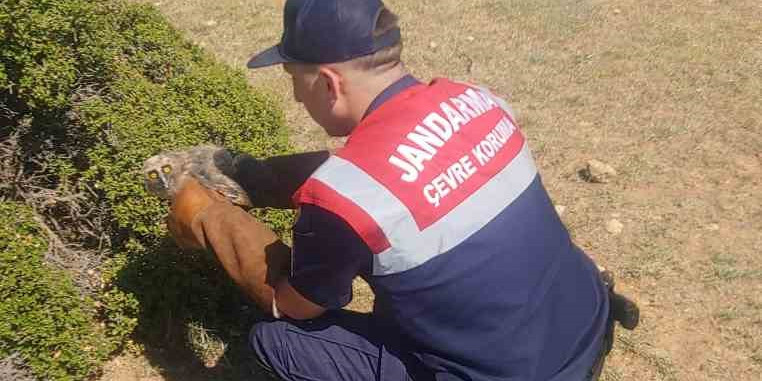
{"x":131,"y":368}
{"x":666,"y":93}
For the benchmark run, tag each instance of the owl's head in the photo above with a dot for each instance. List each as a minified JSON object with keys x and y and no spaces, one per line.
{"x":162,"y":174}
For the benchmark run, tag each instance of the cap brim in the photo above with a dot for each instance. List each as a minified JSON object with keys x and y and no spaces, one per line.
{"x":268,"y":57}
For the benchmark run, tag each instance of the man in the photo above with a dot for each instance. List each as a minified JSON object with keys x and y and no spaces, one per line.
{"x":434,"y":200}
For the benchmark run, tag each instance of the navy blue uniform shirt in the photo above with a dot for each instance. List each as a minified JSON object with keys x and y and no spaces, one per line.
{"x":328,"y":254}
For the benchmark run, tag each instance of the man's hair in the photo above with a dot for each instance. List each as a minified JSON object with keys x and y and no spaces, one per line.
{"x":387,"y":57}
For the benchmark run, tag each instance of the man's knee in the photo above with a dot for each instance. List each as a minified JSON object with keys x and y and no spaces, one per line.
{"x":265,"y":339}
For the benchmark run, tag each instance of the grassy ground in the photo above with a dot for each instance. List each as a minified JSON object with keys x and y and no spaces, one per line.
{"x":667,"y":92}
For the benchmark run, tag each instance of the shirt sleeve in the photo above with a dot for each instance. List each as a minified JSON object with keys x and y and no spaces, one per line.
{"x":327,"y":256}
{"x":271,"y":182}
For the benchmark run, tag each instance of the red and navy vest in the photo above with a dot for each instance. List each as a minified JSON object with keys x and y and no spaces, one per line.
{"x":424,"y":172}
{"x":471,"y":266}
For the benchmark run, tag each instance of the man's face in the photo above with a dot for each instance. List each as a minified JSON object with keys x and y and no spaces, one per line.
{"x":319,"y":96}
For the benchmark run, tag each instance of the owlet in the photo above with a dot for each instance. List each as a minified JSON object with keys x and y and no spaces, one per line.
{"x":213,"y":166}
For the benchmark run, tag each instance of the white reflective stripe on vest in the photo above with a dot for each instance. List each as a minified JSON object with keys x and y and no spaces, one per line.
{"x":500,"y":101}
{"x":411,"y":247}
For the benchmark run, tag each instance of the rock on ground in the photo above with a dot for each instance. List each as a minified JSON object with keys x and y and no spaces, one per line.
{"x":614,"y":226}
{"x":596,"y":171}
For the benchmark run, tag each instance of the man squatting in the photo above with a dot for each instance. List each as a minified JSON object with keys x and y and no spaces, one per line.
{"x":434,"y":200}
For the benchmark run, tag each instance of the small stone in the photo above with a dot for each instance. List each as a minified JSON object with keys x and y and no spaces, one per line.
{"x":471,"y":38}
{"x":713,"y":227}
{"x":614,"y":227}
{"x":597,"y":171}
{"x":210,"y":23}
{"x":90,"y":272}
{"x":617,"y":11}
{"x":560,"y":209}
{"x":433,"y":45}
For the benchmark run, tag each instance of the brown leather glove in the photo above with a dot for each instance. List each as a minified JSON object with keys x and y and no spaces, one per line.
{"x":249,"y":251}
{"x":188,"y":206}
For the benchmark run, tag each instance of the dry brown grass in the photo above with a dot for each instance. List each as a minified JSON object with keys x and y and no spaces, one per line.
{"x":668,"y":92}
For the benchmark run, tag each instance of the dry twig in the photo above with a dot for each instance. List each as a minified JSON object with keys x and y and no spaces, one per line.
{"x":67,"y":217}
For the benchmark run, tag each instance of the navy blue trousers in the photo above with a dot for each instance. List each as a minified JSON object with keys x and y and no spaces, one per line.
{"x":340,"y":345}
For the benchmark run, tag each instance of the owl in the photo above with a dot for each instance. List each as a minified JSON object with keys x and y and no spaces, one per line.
{"x":213,"y":166}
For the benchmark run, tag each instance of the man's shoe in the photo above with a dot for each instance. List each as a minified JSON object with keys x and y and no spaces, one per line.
{"x":623,"y":310}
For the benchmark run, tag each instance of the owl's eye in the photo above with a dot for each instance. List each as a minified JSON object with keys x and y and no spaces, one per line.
{"x":153,"y":175}
{"x":166,"y":169}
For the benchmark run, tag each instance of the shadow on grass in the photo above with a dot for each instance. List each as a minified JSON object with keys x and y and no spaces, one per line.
{"x":192,"y":320}
{"x":180,"y":363}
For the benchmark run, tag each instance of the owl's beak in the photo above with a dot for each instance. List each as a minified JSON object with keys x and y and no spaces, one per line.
{"x":164,"y":181}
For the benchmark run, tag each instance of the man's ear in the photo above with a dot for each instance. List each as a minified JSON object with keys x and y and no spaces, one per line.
{"x":333,"y":81}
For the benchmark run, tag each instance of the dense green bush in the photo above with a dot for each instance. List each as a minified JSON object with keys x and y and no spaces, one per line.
{"x":88,"y":90}
{"x":109,"y":83}
{"x":44,"y":321}
{"x":206,"y":103}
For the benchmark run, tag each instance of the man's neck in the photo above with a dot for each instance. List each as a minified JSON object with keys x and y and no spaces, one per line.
{"x":369,"y":87}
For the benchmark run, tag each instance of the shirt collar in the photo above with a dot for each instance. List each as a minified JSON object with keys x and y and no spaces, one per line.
{"x":393,"y":89}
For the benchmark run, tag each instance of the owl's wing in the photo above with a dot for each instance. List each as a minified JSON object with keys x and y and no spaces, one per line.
{"x":227,"y":187}
{"x":213,"y":167}
{"x":223,"y":160}
{"x":209,"y":158}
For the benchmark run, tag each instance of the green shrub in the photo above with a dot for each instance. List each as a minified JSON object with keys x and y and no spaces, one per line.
{"x":44,"y":320}
{"x":131,"y":86}
{"x":207,"y":103}
{"x":92,"y":88}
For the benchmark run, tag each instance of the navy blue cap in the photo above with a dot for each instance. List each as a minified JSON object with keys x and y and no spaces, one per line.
{"x":327,"y":31}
